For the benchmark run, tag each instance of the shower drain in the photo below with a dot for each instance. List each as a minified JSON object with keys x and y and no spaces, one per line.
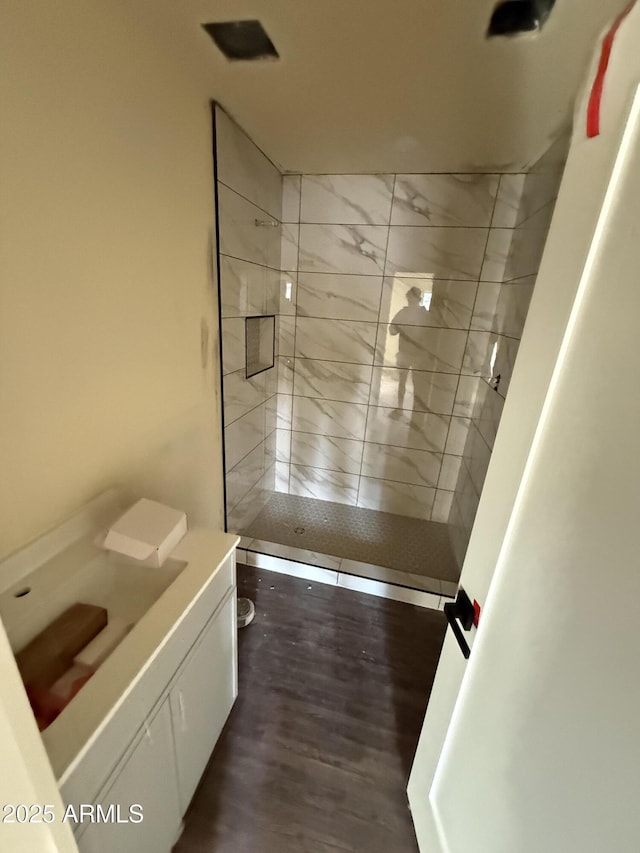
{"x":298,"y":530}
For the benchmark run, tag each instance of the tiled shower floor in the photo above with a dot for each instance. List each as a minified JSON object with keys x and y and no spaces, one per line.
{"x":363,"y":542}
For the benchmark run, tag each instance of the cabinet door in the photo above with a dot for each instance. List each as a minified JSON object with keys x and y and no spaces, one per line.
{"x":147,"y":778}
{"x":202,"y":697}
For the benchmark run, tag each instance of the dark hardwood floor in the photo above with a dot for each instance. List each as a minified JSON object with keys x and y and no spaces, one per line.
{"x":317,"y":751}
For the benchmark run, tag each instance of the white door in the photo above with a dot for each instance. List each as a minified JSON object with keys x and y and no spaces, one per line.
{"x":533,"y":745}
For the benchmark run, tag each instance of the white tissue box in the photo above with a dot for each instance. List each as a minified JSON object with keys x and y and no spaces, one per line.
{"x":148,"y":532}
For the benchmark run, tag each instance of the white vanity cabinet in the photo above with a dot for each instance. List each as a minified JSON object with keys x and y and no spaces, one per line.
{"x":153,"y":747}
{"x":145,"y":778}
{"x":142,"y":729}
{"x":201,"y":699}
{"x":162,"y":767}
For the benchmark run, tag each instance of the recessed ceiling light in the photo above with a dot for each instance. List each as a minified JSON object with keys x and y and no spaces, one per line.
{"x":242,"y":40}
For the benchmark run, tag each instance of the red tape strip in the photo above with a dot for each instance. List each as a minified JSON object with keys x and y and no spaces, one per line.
{"x":595,"y":98}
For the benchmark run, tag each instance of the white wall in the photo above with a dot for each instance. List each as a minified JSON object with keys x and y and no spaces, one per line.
{"x":108,"y":311}
{"x":108,"y":338}
{"x":589,"y":701}
{"x":543,"y":751}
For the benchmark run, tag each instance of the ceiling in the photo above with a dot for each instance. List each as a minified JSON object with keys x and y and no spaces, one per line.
{"x":394,"y":85}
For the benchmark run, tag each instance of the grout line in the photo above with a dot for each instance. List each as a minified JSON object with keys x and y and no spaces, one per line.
{"x":252,"y":486}
{"x":375,"y":345}
{"x":253,"y":408}
{"x":521,"y":279}
{"x":248,"y":200}
{"x":473,"y":310}
{"x":424,"y":485}
{"x":378,"y":405}
{"x":486,"y":443}
{"x":393,"y":201}
{"x":379,"y":275}
{"x":382,"y":225}
{"x":253,"y":263}
{"x":351,"y":321}
{"x":248,"y":453}
{"x":523,"y":171}
{"x":378,"y":366}
{"x":385,"y":444}
{"x":551,"y":201}
{"x":395,"y":446}
{"x":448,"y":414}
{"x":493,"y":210}
{"x":262,"y":440}
{"x":370,"y":274}
{"x":477,"y":493}
{"x":295,"y":330}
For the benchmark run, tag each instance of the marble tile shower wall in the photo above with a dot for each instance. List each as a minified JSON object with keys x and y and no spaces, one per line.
{"x":249,"y":210}
{"x":390,"y":292}
{"x":496,"y":329}
{"x":398,"y":278}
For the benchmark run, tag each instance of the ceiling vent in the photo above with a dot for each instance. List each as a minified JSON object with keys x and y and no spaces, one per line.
{"x":519,"y":16}
{"x":242,"y":40}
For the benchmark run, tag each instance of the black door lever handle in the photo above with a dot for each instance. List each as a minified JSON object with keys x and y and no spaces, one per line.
{"x":460,"y":610}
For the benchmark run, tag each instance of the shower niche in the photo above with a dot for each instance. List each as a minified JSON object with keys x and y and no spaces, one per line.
{"x":260,"y":344}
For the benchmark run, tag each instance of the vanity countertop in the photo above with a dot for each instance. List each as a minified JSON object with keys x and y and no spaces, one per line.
{"x":69,"y":737}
